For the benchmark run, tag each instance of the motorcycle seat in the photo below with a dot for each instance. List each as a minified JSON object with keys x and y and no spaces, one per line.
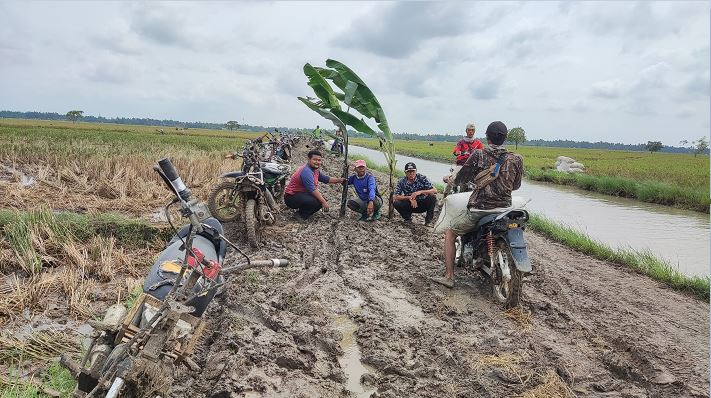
{"x":233,"y":174}
{"x":485,"y":220}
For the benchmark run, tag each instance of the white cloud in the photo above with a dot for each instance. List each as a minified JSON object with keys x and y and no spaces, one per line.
{"x":598,"y":67}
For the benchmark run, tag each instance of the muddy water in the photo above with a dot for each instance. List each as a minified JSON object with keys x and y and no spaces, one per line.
{"x":350,"y":361}
{"x":679,"y":236}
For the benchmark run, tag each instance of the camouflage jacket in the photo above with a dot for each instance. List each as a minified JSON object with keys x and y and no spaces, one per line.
{"x":498,"y":192}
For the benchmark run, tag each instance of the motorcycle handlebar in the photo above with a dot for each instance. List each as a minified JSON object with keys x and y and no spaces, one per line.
{"x":174,"y":179}
{"x":275,"y":262}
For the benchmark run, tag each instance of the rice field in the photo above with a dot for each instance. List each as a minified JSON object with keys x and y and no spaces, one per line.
{"x":84,"y":167}
{"x":77,"y":208}
{"x":680,"y":180}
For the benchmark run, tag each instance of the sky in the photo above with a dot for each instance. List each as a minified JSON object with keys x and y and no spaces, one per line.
{"x":618,"y":71}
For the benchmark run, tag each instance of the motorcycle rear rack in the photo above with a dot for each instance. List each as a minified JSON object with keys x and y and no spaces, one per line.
{"x":129,"y":327}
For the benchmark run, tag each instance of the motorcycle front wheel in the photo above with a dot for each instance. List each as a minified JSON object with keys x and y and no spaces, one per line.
{"x":251,"y":222}
{"x":507,"y":292}
{"x":223,"y":202}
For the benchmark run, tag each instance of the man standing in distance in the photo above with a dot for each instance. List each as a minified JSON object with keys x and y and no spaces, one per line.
{"x":464,"y":147}
{"x":302,"y":191}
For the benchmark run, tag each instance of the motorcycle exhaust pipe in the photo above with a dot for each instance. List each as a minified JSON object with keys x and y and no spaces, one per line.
{"x":274,"y":262}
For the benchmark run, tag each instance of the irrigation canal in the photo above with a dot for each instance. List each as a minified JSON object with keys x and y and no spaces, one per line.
{"x":679,"y":236}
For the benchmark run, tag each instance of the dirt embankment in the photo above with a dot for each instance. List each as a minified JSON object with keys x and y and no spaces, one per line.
{"x":356,"y":314}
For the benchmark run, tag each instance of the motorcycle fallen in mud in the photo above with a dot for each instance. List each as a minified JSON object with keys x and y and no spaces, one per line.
{"x":496,"y":247}
{"x":252,"y":192}
{"x":133,"y":351}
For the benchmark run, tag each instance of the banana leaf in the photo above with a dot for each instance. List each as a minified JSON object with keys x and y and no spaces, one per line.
{"x":321,"y":87}
{"x":369,"y":103}
{"x":356,"y":102}
{"x":351,"y":88}
{"x":358,"y":124}
{"x":324,"y":112}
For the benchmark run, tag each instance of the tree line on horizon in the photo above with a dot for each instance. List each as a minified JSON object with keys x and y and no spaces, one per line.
{"x":400,"y":136}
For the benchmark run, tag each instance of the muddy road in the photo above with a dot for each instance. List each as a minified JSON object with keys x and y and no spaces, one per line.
{"x":356,"y":315}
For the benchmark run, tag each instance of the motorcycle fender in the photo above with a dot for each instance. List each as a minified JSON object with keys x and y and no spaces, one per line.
{"x":519,"y":251}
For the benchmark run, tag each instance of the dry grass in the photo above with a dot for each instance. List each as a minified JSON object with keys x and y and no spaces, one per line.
{"x":103,"y":167}
{"x":505,"y":361}
{"x":40,"y":346}
{"x":520,"y":316}
{"x":28,"y":293}
{"x":552,"y":387}
{"x":55,"y":261}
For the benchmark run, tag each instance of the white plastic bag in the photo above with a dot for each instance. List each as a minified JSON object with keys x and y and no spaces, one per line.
{"x":456,"y":216}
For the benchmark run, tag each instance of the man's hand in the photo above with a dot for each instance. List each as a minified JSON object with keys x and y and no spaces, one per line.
{"x":413,"y":203}
{"x":325,"y":207}
{"x":414,"y":195}
{"x":371,"y":208}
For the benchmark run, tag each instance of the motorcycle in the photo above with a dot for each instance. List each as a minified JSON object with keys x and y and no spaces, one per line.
{"x":252,"y":192}
{"x":132,"y":351}
{"x":496,"y":247}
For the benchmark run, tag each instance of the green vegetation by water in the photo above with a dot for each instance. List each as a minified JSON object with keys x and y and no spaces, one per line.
{"x":678,"y":180}
{"x":641,"y":261}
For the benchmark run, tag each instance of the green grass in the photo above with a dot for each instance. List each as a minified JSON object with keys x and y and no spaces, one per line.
{"x":678,"y":180}
{"x":641,"y":261}
{"x":56,"y":378}
{"x":133,"y":296}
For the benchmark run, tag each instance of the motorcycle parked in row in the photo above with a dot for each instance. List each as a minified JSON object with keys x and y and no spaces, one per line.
{"x":252,"y":192}
{"x":132,"y":351}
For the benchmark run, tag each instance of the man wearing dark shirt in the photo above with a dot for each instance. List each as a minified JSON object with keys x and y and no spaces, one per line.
{"x":415,"y":194}
{"x":492,"y":189}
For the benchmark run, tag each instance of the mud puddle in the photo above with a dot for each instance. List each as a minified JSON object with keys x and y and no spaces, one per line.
{"x":350,"y":361}
{"x":10,"y":173}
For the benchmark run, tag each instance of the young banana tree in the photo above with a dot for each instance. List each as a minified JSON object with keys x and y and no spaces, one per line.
{"x":357,"y":96}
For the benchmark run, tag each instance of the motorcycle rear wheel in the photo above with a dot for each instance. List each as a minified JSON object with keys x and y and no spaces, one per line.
{"x":506,"y":292}
{"x":223,"y":202}
{"x":251,"y":223}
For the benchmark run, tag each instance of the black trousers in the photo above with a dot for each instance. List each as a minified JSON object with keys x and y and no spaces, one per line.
{"x":424,"y":205}
{"x":304,"y":202}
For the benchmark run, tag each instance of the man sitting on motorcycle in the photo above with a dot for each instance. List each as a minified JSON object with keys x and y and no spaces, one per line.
{"x":494,"y":173}
{"x":302,"y":191}
{"x":367,"y":202}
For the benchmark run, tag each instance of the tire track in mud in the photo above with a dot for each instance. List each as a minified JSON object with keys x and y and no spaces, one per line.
{"x":602,"y":330}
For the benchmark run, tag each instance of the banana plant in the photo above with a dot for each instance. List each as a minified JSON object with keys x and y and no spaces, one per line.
{"x":356,"y":95}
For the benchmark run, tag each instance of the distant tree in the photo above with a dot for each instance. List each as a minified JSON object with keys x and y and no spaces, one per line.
{"x":696,"y":147}
{"x":700,"y":145}
{"x":654,"y":146}
{"x":74,"y":115}
{"x":516,"y":136}
{"x":231,"y":125}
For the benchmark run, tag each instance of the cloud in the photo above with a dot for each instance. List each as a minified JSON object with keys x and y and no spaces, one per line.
{"x":118,"y":39}
{"x":486,"y":89}
{"x":404,"y":27}
{"x":162,"y":27}
{"x":111,"y":70}
{"x":697,"y":87}
{"x":607,"y":89}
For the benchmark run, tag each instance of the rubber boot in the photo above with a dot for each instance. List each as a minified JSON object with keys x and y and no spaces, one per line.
{"x":376,"y":215}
